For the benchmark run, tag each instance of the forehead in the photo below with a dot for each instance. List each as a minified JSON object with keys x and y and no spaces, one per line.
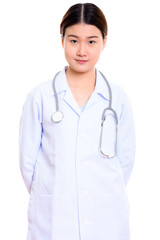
{"x":83,"y":30}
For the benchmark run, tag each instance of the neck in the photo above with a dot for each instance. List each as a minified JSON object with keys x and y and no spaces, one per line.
{"x":81,"y":79}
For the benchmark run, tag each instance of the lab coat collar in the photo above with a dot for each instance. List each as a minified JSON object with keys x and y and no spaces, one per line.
{"x":62,"y":85}
{"x":101,"y":87}
{"x":61,"y":82}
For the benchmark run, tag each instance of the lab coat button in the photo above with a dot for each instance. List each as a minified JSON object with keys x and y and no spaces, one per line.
{"x":83,"y":135}
{"x":85,"y":191}
{"x":85,"y":163}
{"x":85,"y":220}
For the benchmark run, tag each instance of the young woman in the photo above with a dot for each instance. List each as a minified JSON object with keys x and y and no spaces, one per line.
{"x":74,"y":163}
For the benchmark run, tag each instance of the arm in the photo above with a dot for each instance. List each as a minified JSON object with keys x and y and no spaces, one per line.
{"x":29,"y":139}
{"x":126,"y":139}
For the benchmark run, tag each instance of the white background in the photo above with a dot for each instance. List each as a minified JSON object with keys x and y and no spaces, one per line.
{"x":30,"y":53}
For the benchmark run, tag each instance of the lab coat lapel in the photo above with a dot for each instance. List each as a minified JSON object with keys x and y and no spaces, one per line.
{"x":70,"y":100}
{"x":62,"y":85}
{"x":92,"y":100}
{"x":101,"y":89}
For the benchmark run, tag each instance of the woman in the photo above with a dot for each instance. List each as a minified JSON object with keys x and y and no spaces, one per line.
{"x":76,"y":192}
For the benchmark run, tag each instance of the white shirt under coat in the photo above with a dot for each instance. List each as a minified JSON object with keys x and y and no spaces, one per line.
{"x":75,"y":192}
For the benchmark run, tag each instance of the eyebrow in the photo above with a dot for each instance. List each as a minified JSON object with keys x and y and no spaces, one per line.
{"x":72,"y":35}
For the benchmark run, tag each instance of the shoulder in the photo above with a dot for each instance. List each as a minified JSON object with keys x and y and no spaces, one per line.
{"x":34,"y":99}
{"x":121,"y":100}
{"x":119,"y":93}
{"x":42,"y":88}
{"x":118,"y":90}
{"x":39,"y":92}
{"x":46,"y":88}
{"x":104,"y":85}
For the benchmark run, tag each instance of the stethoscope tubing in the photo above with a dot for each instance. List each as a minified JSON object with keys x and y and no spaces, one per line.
{"x":57,"y":116}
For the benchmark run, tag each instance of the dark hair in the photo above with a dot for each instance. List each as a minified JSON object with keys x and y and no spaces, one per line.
{"x":84,"y":13}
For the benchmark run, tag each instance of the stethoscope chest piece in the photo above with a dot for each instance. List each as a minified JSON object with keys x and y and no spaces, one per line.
{"x":57,"y":116}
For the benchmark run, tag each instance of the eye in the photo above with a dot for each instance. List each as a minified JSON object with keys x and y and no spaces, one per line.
{"x":74,"y":41}
{"x":91,"y":42}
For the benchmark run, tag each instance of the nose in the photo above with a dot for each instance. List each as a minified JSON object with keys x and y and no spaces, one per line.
{"x":81,"y":51}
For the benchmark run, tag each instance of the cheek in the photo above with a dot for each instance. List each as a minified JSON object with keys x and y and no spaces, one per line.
{"x":96,"y":53}
{"x":69,"y":52}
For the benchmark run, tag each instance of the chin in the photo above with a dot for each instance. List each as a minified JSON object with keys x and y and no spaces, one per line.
{"x":81,"y":69}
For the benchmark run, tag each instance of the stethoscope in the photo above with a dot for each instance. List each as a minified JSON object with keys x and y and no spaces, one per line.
{"x":58,"y":115}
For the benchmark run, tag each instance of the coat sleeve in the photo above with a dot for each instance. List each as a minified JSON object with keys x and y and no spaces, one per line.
{"x":126,"y":139}
{"x":30,"y":133}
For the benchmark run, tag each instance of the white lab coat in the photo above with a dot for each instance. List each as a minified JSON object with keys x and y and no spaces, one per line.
{"x":75,"y":192}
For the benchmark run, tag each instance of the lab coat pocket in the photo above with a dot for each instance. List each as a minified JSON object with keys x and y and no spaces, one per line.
{"x":30,"y":211}
{"x":112,"y":213}
{"x":53,"y":132}
{"x":49,"y":183}
{"x":44,"y":216}
{"x":32,"y":188}
{"x":48,"y":123}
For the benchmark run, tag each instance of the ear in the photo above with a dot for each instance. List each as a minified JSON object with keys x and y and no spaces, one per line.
{"x":62,"y":40}
{"x":104,"y":43}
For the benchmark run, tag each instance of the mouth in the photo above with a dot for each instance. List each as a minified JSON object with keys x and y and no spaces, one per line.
{"x":81,"y":61}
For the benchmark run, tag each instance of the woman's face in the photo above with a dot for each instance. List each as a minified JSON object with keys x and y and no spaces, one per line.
{"x":82,"y":44}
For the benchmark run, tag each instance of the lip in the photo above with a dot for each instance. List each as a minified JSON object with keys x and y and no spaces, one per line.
{"x":81,"y":61}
